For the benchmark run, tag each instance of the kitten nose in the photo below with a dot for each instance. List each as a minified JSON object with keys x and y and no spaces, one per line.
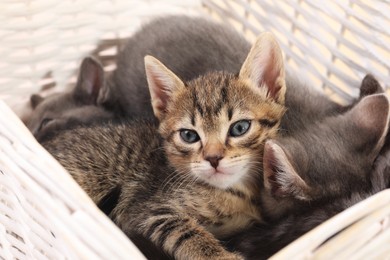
{"x":214,"y":160}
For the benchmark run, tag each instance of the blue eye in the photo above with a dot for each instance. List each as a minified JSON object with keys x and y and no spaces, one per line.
{"x":189,"y":136}
{"x":239,"y":128}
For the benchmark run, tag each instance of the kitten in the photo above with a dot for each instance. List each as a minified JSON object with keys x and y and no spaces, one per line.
{"x":341,"y":177}
{"x":196,"y":178}
{"x":63,"y":110}
{"x":335,"y":161}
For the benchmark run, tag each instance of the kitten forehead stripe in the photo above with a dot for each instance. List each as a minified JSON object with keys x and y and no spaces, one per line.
{"x":230,"y":113}
{"x":193,"y":119}
{"x":197,"y":106}
{"x":224,"y":95}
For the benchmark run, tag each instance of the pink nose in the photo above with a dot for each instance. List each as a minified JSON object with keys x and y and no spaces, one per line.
{"x":214,"y":160}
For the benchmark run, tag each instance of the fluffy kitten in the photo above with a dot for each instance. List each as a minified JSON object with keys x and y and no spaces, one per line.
{"x":302,"y":168}
{"x":212,"y":130}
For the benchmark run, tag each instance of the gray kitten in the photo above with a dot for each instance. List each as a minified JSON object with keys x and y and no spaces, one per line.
{"x":335,"y":161}
{"x":64,"y":110}
{"x":340,"y":180}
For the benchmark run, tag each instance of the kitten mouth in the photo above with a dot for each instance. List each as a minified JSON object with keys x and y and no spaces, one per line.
{"x":213,"y":173}
{"x":218,"y":172}
{"x":220,"y":178}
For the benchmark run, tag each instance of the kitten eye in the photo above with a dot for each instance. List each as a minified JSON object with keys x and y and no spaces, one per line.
{"x":44,"y":122}
{"x":239,"y":128}
{"x":189,"y":136}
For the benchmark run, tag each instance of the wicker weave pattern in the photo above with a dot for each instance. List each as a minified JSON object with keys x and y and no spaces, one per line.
{"x":43,"y":41}
{"x":45,"y":215}
{"x":364,"y":234}
{"x":43,"y":212}
{"x":331,"y":44}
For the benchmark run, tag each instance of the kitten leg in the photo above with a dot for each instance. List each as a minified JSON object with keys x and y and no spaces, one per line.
{"x":182,"y":237}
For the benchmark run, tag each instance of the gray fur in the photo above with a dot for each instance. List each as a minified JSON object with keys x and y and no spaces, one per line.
{"x":343,"y":175}
{"x":332,"y":156}
{"x":263,"y":240}
{"x":65,"y":110}
{"x":190,"y":46}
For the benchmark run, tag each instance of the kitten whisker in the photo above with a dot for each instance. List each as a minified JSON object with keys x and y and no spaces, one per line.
{"x":172,"y":177}
{"x":187,"y":179}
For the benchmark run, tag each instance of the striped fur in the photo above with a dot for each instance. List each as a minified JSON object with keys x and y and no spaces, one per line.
{"x":153,"y":184}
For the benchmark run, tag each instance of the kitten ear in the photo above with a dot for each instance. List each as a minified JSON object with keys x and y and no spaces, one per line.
{"x":370,"y":118}
{"x":90,"y":81}
{"x":162,"y":84}
{"x":280,"y":177}
{"x":264,"y":67}
{"x":370,"y":86}
{"x":35,"y":100}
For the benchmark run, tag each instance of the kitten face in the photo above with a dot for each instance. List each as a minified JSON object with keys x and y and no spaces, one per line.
{"x":59,"y":111}
{"x":215,"y":126}
{"x":331,"y":158}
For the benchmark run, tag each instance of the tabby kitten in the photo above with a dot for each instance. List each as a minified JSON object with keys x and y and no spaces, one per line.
{"x":196,"y":177}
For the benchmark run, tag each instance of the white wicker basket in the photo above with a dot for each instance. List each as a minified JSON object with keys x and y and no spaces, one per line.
{"x":45,"y":215}
{"x":331,"y":44}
